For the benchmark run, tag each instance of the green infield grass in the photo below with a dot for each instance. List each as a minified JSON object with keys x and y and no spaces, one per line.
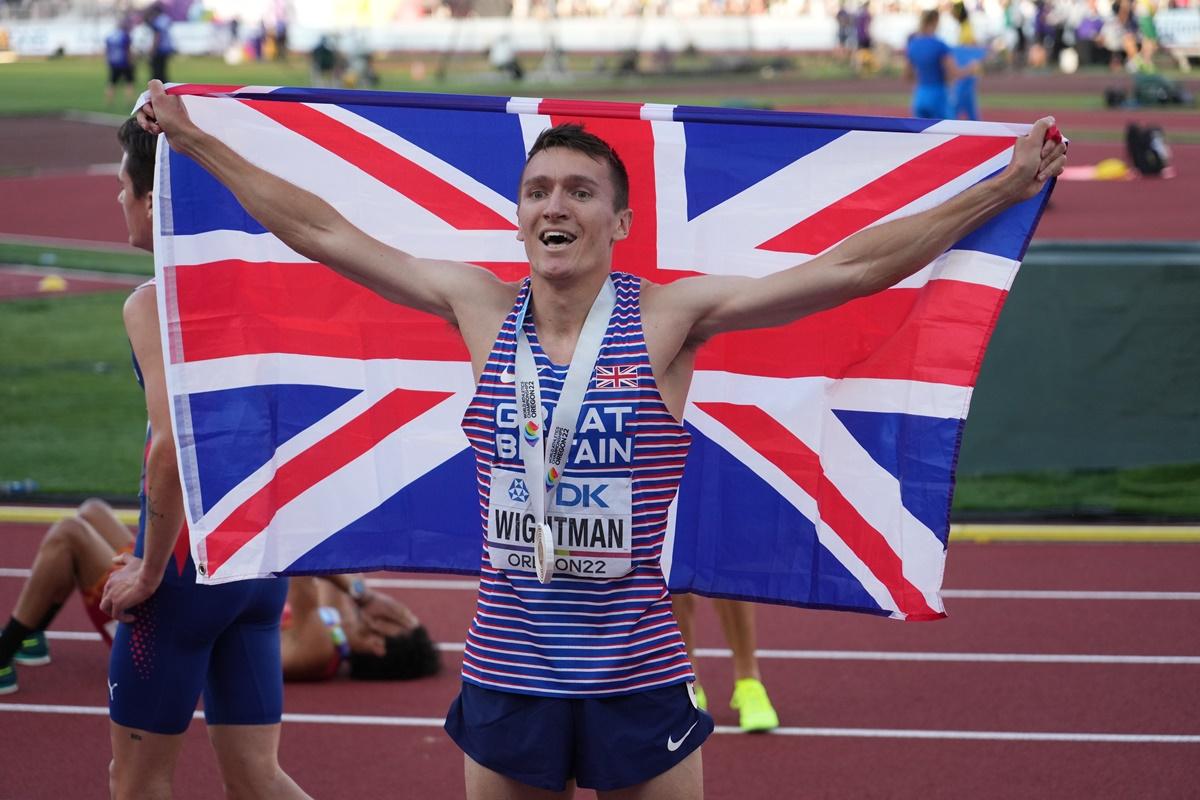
{"x":72,"y":258}
{"x":41,"y":86}
{"x":74,"y":420}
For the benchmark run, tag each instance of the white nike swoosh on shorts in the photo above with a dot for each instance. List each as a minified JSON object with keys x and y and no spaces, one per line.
{"x":673,"y":745}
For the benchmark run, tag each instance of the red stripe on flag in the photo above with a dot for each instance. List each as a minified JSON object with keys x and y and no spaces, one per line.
{"x":634,"y":144}
{"x":413,"y":181}
{"x":233,"y":308}
{"x":394,"y":410}
{"x":888,"y":193}
{"x":588,"y":111}
{"x":935,"y":334}
{"x":801,"y":464}
{"x":206,"y":89}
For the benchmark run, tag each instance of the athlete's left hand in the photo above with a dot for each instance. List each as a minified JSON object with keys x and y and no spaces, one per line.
{"x":1037,"y":157}
{"x":126,"y":588}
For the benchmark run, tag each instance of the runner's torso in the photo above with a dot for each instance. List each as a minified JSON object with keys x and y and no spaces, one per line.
{"x":603,"y":626}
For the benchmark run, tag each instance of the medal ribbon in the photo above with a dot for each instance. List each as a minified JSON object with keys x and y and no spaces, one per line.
{"x":544,"y":463}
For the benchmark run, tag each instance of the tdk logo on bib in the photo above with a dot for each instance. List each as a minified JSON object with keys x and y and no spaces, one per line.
{"x":518,"y":492}
{"x":580,"y":495}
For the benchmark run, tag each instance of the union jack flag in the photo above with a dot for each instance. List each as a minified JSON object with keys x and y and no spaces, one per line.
{"x":618,"y":377}
{"x":318,"y":424}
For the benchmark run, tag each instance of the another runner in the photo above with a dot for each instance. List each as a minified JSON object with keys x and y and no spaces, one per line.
{"x":178,"y":639}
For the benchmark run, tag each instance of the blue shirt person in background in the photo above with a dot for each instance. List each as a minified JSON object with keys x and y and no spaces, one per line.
{"x":120,"y":61}
{"x":964,"y":101}
{"x":932,"y":63}
{"x":162,"y":47}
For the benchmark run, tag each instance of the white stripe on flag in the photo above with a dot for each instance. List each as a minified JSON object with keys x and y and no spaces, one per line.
{"x":967,"y":266}
{"x":258,"y":369}
{"x":875,"y":494}
{"x":373,"y":206}
{"x":803,"y":503}
{"x":362,"y":485}
{"x":719,"y":240}
{"x":940,"y":400}
{"x":465,"y":182}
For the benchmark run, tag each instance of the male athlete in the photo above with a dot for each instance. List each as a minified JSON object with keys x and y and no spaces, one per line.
{"x":177,"y":639}
{"x":584,"y":680}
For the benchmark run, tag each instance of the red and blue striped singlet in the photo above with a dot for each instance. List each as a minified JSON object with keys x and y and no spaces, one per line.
{"x":582,"y":636}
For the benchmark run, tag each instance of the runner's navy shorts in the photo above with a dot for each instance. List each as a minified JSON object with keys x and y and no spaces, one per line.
{"x":188,"y":639}
{"x":604,"y":743}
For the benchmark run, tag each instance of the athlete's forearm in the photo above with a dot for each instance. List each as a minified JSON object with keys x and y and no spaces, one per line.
{"x":164,"y":505}
{"x":299,"y":218}
{"x":886,"y":254}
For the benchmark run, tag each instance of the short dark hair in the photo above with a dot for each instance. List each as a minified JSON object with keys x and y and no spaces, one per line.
{"x":929,"y":18}
{"x":405,"y":658}
{"x":139,"y":146}
{"x":572,"y":136}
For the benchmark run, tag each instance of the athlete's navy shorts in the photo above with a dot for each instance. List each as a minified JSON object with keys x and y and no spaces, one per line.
{"x":604,"y":743}
{"x":187,"y":639}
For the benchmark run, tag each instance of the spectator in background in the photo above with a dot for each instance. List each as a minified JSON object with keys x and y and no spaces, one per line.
{"x":324,"y":63}
{"x":932,"y":65}
{"x":161,"y":46}
{"x":1121,"y":34}
{"x":845,"y":31}
{"x":864,"y":61}
{"x":117,"y":55}
{"x":964,"y":101}
{"x":281,"y":38}
{"x":1089,"y":39}
{"x":1146,"y":9}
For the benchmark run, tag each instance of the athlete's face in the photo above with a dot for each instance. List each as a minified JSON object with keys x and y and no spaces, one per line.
{"x":138,"y":210}
{"x":566,"y":215}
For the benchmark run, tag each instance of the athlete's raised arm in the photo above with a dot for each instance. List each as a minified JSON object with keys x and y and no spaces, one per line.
{"x":695,"y":309}
{"x":312,"y":227}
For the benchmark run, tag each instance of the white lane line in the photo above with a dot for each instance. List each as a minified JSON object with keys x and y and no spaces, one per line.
{"x":849,"y":655}
{"x":1001,"y":658}
{"x":456,"y":584}
{"x":857,"y":733}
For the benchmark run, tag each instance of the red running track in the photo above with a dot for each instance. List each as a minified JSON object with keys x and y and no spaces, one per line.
{"x":65,"y":202}
{"x":850,"y":717}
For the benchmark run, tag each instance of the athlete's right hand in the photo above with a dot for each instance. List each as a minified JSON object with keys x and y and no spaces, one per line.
{"x":126,"y":588}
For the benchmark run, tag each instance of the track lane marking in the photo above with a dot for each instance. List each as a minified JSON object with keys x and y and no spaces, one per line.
{"x":960,"y":594}
{"x":959,"y":531}
{"x":854,"y":733}
{"x":850,"y":655}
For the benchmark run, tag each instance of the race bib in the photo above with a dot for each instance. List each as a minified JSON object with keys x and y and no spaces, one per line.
{"x":589,"y":519}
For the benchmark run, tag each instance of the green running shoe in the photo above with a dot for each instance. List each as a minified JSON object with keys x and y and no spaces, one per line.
{"x":699,"y":696}
{"x":754,"y":707}
{"x":8,"y":680}
{"x":34,"y":650}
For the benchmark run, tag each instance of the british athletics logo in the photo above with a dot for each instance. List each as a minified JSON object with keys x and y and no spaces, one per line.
{"x":318,"y":424}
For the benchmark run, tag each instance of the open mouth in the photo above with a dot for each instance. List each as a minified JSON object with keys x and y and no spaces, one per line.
{"x":556,"y":239}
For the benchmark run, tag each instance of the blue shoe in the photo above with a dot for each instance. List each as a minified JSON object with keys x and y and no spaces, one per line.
{"x":34,"y":650}
{"x":8,"y":680}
